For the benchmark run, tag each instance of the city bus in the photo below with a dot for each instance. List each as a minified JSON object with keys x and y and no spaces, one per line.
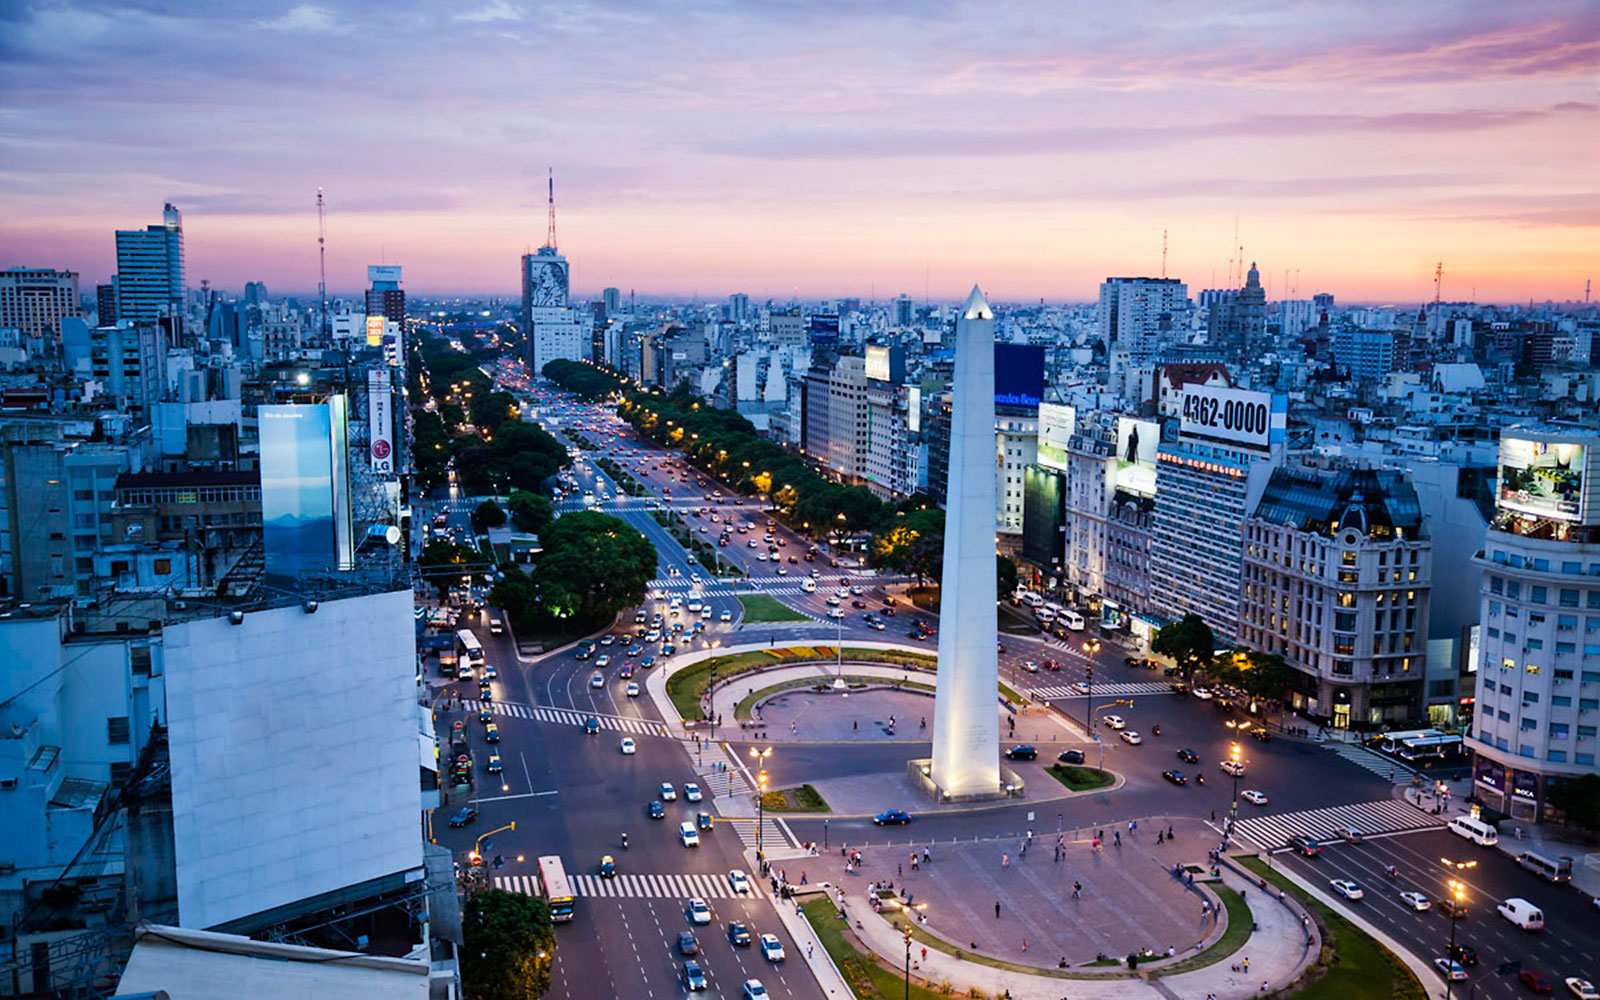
{"x":1430,"y":747}
{"x":1393,"y":742}
{"x":469,"y":652}
{"x":1072,"y":620}
{"x":555,"y":888}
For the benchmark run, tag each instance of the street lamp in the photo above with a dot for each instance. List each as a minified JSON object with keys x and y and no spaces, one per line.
{"x":1235,"y":755}
{"x":1090,"y":648}
{"x":907,"y":933}
{"x":1458,"y":894}
{"x":760,"y":757}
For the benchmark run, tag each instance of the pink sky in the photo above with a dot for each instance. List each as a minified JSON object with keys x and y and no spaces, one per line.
{"x":813,"y":148}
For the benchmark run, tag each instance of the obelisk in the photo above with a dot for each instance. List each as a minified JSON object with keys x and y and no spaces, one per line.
{"x":966,"y":715}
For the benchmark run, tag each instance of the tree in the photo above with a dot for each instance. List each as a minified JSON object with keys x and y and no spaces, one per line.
{"x":1579,"y":799}
{"x":509,"y":946}
{"x":445,"y":562}
{"x":492,"y":409}
{"x":911,"y":543}
{"x":530,"y":512}
{"x":488,"y":515}
{"x":1005,"y":576}
{"x":593,"y":565}
{"x":1189,"y":641}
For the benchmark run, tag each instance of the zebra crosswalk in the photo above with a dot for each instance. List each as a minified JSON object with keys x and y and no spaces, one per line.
{"x":679,"y":887}
{"x":1379,"y":816}
{"x":568,"y":716}
{"x":1119,"y":689}
{"x":1377,"y":763}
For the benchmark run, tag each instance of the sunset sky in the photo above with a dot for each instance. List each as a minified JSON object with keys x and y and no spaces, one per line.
{"x":816,"y":148}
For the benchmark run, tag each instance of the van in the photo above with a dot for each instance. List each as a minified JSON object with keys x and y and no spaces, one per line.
{"x":496,"y":626}
{"x":688,"y":834}
{"x":809,"y":586}
{"x":1522,"y":913}
{"x":1072,"y":620}
{"x":1475,"y":830}
{"x":1554,"y":869}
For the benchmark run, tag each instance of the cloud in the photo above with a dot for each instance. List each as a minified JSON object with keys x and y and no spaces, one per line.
{"x":308,"y":18}
{"x":497,"y":10}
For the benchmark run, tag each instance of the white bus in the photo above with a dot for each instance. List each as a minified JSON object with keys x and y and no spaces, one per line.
{"x":1554,"y":869}
{"x":1072,"y":620}
{"x":1394,"y":742}
{"x":1430,"y":747}
{"x":556,"y":889}
{"x":469,"y":652}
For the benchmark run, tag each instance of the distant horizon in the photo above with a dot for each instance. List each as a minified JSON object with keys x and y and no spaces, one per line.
{"x":792,"y":150}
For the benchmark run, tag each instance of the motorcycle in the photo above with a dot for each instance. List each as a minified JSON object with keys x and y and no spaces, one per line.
{"x":1392,"y":871}
{"x":624,"y":842}
{"x":1156,"y":730}
{"x":1199,"y":779}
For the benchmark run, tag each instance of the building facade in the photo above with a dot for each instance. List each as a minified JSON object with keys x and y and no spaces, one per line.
{"x":1137,"y":314}
{"x":150,"y":279}
{"x":33,"y":301}
{"x":1337,"y":575}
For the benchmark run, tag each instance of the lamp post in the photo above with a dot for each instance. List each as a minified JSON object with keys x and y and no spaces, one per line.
{"x":1090,"y":648}
{"x":906,"y":933}
{"x":1235,"y":755}
{"x":1458,"y":894}
{"x":760,"y":757}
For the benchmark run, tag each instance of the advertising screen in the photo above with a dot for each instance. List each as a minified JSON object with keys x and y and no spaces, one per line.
{"x":381,"y":418}
{"x":305,"y":500}
{"x":1137,"y":442}
{"x":1056,"y":425}
{"x":1543,"y":478}
{"x":383,"y":272}
{"x":1018,"y":375}
{"x":374,"y":331}
{"x":1244,"y":416}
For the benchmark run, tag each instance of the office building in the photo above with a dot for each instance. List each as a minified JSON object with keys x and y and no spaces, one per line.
{"x":1111,"y":487}
{"x":788,"y":329}
{"x":1138,"y":314}
{"x":848,"y":444}
{"x":1238,"y":321}
{"x":385,"y":297}
{"x":1208,"y":481}
{"x":105,"y":304}
{"x":150,"y":278}
{"x":739,"y":308}
{"x":894,"y":422}
{"x":129,"y":359}
{"x":1538,"y":707}
{"x":1367,"y":354}
{"x":611,"y":301}
{"x":901,"y":311}
{"x":1338,"y":569}
{"x":34,"y":301}
{"x":1016,"y":447}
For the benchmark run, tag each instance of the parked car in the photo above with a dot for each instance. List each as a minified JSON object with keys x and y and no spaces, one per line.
{"x":892,"y":816}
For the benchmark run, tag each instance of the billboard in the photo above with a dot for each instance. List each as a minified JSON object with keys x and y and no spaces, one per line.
{"x":1137,"y":442}
{"x":1056,"y":426}
{"x":1544,"y":477}
{"x":885,"y":364}
{"x":380,"y":418}
{"x":303,"y":475}
{"x":1018,"y":375}
{"x":374,"y":330}
{"x":383,"y":272}
{"x":1243,"y":416}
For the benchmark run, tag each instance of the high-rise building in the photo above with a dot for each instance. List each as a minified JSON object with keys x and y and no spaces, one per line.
{"x":1111,"y":487}
{"x":150,"y":280}
{"x":1208,"y":480}
{"x":1365,"y":354}
{"x":385,"y":297}
{"x":894,"y":420}
{"x":739,"y":308}
{"x":901,"y":312}
{"x":1338,"y":570}
{"x":1238,"y":320}
{"x":34,"y":301}
{"x":105,"y":303}
{"x":1538,"y":694}
{"x":1137,"y":314}
{"x":129,"y":359}
{"x":611,"y":299}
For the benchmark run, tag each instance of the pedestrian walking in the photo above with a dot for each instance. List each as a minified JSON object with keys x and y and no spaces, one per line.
{"x":924,"y":954}
{"x":997,"y":909}
{"x":808,"y":951}
{"x":926,"y":856}
{"x":1005,"y":860}
{"x":900,"y":871}
{"x":1246,"y":963}
{"x":1169,"y":833}
{"x":1118,"y":834}
{"x":1077,"y":890}
{"x":1024,"y":944}
{"x":1161,"y":838}
{"x":802,"y":878}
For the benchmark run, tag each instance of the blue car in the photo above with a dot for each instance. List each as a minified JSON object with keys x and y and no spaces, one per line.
{"x":899,"y":816}
{"x":463,"y":816}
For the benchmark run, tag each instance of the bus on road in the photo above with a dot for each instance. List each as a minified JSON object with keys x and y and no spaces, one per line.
{"x":469,"y":652}
{"x":555,"y":888}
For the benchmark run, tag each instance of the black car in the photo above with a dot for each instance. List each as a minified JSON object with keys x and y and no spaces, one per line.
{"x":463,"y":816}
{"x":1023,"y":753}
{"x":738,"y":934}
{"x":1464,"y":954}
{"x":687,"y":945}
{"x":1070,"y":756}
{"x":657,"y":810}
{"x":1176,"y":777}
{"x":895,"y":816}
{"x":1261,"y":735}
{"x":1188,"y":756}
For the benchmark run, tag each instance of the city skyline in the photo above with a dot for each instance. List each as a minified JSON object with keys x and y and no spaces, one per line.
{"x":930,"y":144}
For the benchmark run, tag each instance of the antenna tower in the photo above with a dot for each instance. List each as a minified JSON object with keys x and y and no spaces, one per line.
{"x":1163,"y":253}
{"x":322,"y":265}
{"x":1588,"y":286}
{"x":1438,"y":283}
{"x":550,"y":237}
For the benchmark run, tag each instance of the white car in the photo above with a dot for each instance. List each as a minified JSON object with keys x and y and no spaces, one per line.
{"x":1232,"y":767}
{"x":1416,"y":900}
{"x":771,"y":948}
{"x":1346,"y":888}
{"x":1203,"y":694}
{"x":1116,"y":722}
{"x":628,"y":748}
{"x":1031,"y":666}
{"x":753,"y":990}
{"x":1254,"y":797}
{"x":739,"y":882}
{"x":692,"y":793}
{"x":1129,"y":736}
{"x":668,"y":793}
{"x":633,"y":689}
{"x":726,"y":616}
{"x":1450,"y":969}
{"x":842,"y":592}
{"x":1582,"y":988}
{"x":833,"y":601}
{"x":697,"y":911}
{"x":836,"y":612}
{"x":783,"y":571}
{"x":597,"y":681}
{"x":602,"y":661}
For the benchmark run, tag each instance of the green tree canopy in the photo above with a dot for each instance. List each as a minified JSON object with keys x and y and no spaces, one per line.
{"x":530,"y":512}
{"x":910,"y":543}
{"x":509,"y":946}
{"x":1189,"y":641}
{"x":1005,"y":576}
{"x":1262,"y":675}
{"x":586,"y":381}
{"x":488,"y":515}
{"x":492,"y":409}
{"x":521,"y":457}
{"x":593,"y":565}
{"x":1579,"y":798}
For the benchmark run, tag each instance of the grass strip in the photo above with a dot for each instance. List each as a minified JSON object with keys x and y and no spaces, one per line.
{"x":1352,"y":965}
{"x":688,"y":686}
{"x":866,"y":978}
{"x":805,"y":799}
{"x":1081,"y":779}
{"x":1240,"y":926}
{"x":766,"y":608}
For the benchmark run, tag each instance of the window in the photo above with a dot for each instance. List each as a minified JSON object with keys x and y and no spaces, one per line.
{"x":1569,"y":597}
{"x":1514,"y":589}
{"x":163,"y":567}
{"x":1566,"y":623}
{"x":120,"y":772}
{"x":1343,"y":668}
{"x":117,"y":730}
{"x":1588,"y":704}
{"x":1531,"y":668}
{"x":1585,"y":732}
{"x":1497,"y":585}
{"x":139,"y":660}
{"x":1535,"y":643}
{"x":1572,"y":568}
{"x":1345,"y":621}
{"x":1558,"y":730}
{"x":1560,"y":701}
{"x":1558,"y":756}
{"x":1537,"y":594}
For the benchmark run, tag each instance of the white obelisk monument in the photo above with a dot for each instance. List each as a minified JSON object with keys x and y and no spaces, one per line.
{"x":966,"y":715}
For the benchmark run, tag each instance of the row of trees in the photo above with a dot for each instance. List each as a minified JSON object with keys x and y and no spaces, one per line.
{"x":591,"y":565}
{"x":589,"y":382}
